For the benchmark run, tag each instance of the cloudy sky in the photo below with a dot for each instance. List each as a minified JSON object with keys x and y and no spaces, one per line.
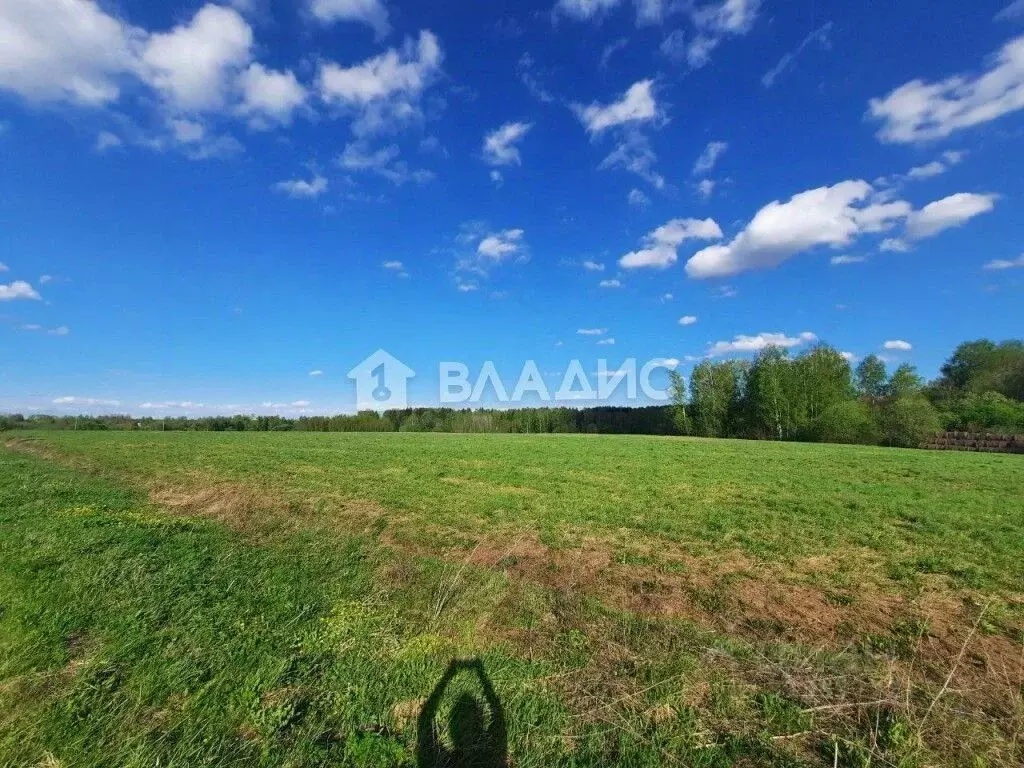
{"x":221,"y":207}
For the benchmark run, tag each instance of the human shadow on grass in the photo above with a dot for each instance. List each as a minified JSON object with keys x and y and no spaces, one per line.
{"x":478,"y":739}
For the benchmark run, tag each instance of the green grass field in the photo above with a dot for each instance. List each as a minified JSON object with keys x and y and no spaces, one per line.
{"x":178,"y":599}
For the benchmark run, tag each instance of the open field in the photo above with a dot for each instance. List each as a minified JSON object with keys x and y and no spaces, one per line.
{"x":293,"y":599}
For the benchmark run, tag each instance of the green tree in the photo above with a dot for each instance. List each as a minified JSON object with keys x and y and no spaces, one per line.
{"x":677,"y":391}
{"x":713,"y":395}
{"x":904,"y":382}
{"x":871,"y":376}
{"x":908,"y":421}
{"x":769,"y":395}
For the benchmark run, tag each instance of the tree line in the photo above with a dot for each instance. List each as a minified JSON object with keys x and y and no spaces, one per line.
{"x":815,"y":396}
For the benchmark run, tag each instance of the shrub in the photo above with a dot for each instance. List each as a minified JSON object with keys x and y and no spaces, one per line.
{"x":851,"y":421}
{"x":908,"y":421}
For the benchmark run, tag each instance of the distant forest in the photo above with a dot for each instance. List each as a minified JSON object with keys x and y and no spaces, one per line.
{"x":815,"y":396}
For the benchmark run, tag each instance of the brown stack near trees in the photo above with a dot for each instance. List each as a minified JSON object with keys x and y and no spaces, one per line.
{"x":975,"y":441}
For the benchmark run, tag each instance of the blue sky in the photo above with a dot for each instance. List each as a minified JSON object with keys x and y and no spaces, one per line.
{"x":205,"y":204}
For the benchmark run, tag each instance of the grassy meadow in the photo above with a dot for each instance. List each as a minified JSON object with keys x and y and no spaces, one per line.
{"x":294,"y":599}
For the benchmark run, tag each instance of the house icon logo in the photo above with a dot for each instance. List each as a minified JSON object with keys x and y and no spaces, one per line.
{"x":382,"y":382}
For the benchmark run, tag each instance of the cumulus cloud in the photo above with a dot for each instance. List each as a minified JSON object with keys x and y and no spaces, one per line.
{"x":316,"y":373}
{"x":384,"y":162}
{"x":606,"y":342}
{"x":839,"y":261}
{"x":638,"y":198}
{"x":373,"y":13}
{"x":65,"y":50}
{"x":583,"y":10}
{"x":500,"y":145}
{"x":592,"y":331}
{"x":898,"y":345}
{"x":706,"y":162}
{"x":268,"y":95}
{"x":303,"y":189}
{"x":827,"y":216}
{"x":745,"y":344}
{"x":71,"y":400}
{"x":610,"y":284}
{"x":953,"y":211}
{"x":107,"y":140}
{"x":501,"y":245}
{"x":637,"y":105}
{"x":1001,"y":264}
{"x":196,"y":64}
{"x":593,"y":266}
{"x":706,"y":188}
{"x":1012,"y":12}
{"x":662,"y":245}
{"x":715,"y":22}
{"x":922,"y":111}
{"x":384,"y":90}
{"x":396,"y":267}
{"x":688,"y":320}
{"x":634,"y":154}
{"x":19,"y":289}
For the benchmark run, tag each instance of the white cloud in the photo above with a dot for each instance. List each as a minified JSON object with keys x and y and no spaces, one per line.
{"x":270,"y":95}
{"x":715,"y":22}
{"x":70,"y":400}
{"x":592,"y":331}
{"x":894,"y":245}
{"x":827,"y":216}
{"x":1000,"y":264}
{"x":385,"y":90}
{"x":384,"y":162}
{"x":300,"y":188}
{"x":499,"y":246}
{"x":65,"y":50}
{"x":497,"y":177}
{"x":673,"y":47}
{"x":3,"y":267}
{"x":638,"y":198}
{"x":1013,"y":11}
{"x":920,"y":111}
{"x":650,"y":12}
{"x":688,"y":320}
{"x":61,"y":330}
{"x":610,"y":284}
{"x":184,"y":405}
{"x":593,"y":266}
{"x":286,"y":406}
{"x":667,"y":297}
{"x":43,"y":279}
{"x":500,"y":145}
{"x":19,"y":289}
{"x":373,"y":13}
{"x":196,"y":64}
{"x":898,"y":345}
{"x":706,"y":188}
{"x":759,"y":342}
{"x":316,"y":373}
{"x":927,"y":171}
{"x":953,"y":211}
{"x":396,"y":267}
{"x":706,"y":162}
{"x":528,"y":75}
{"x":606,"y":343}
{"x":838,"y":261}
{"x":819,"y":36}
{"x":634,"y":154}
{"x":107,"y":140}
{"x":661,"y":246}
{"x":636,"y":106}
{"x":582,"y":10}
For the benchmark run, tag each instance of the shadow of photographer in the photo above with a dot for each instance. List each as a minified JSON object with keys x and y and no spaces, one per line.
{"x":476,"y":738}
